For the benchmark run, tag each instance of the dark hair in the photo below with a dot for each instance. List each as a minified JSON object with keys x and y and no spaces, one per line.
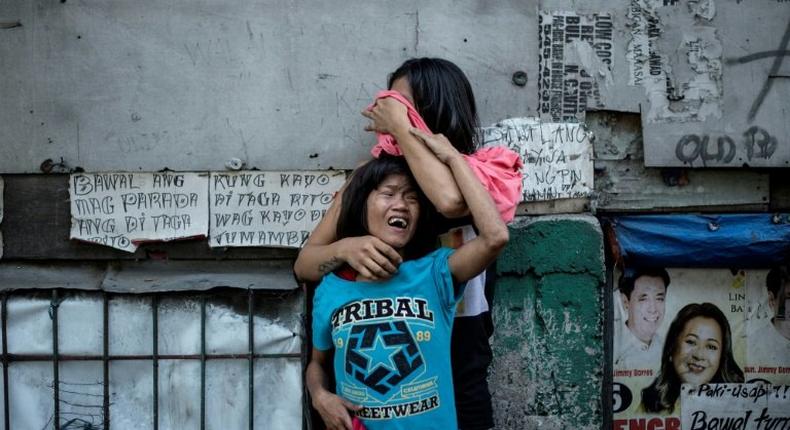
{"x":628,"y":279}
{"x":776,"y":277}
{"x":443,"y":97}
{"x":664,"y":391}
{"x":352,"y":221}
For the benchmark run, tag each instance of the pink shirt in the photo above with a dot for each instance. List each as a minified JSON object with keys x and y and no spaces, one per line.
{"x":497,"y":167}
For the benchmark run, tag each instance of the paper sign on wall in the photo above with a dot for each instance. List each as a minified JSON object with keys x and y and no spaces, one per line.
{"x":573,"y":50}
{"x":269,"y":208}
{"x":557,"y":156}
{"x":121,"y":210}
{"x":735,"y":406}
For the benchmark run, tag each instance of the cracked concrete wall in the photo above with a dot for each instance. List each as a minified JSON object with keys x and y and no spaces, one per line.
{"x":548,"y":312}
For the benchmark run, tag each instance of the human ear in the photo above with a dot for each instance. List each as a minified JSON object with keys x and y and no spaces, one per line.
{"x":624,"y":301}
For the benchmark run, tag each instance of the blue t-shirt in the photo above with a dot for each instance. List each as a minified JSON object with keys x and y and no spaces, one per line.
{"x":392,"y":343}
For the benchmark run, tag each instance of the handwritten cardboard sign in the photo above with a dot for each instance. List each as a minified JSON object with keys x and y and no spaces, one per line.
{"x":278,"y":209}
{"x":557,"y":156}
{"x":121,"y":210}
{"x":735,"y":406}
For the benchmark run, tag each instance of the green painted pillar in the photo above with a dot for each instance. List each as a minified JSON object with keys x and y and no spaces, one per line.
{"x":548,"y":311}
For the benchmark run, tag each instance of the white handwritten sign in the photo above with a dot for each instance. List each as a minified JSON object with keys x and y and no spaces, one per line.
{"x":269,"y":208}
{"x":735,"y":406}
{"x":557,"y":156}
{"x":121,"y":210}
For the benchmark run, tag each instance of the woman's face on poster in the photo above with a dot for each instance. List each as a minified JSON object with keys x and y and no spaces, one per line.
{"x":698,"y":351}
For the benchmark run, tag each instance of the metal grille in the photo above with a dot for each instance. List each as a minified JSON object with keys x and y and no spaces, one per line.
{"x":98,"y":416}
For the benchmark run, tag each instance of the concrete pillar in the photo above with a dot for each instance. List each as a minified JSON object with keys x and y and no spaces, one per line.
{"x":548,"y":311}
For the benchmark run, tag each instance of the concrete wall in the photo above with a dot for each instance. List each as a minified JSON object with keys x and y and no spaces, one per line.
{"x":144,"y":85}
{"x":548,"y":313}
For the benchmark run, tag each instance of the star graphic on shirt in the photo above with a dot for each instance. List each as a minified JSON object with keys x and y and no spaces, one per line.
{"x":380,"y":354}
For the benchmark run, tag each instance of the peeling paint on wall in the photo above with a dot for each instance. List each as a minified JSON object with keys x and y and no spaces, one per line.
{"x":711,"y":103}
{"x":548,"y":315}
{"x":679,"y":67}
{"x":703,"y":9}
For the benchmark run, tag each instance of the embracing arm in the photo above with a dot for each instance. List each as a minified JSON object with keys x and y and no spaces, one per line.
{"x":319,"y":256}
{"x":323,"y":253}
{"x":332,"y":408}
{"x":474,"y":256}
{"x":434,"y":177}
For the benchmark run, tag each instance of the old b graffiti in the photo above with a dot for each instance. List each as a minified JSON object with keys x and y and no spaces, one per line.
{"x":756,"y":142}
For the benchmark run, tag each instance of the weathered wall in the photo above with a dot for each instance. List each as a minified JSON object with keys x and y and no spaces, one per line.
{"x":143,"y":85}
{"x":189,"y":85}
{"x":548,"y":312}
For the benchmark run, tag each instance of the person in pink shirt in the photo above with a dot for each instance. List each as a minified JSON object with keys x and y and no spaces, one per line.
{"x":430,"y":99}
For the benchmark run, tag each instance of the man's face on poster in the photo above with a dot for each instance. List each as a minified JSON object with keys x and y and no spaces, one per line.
{"x":645,"y":307}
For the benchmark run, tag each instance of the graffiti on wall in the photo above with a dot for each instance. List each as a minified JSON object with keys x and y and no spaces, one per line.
{"x":710,"y":103}
{"x":695,"y":150}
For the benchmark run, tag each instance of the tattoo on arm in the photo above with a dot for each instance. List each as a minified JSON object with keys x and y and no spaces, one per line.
{"x":329,"y":266}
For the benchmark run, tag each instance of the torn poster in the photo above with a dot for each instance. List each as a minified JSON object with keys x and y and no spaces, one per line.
{"x":269,"y":208}
{"x":680,"y":70}
{"x":575,"y":53}
{"x":121,"y":210}
{"x":557,"y":156}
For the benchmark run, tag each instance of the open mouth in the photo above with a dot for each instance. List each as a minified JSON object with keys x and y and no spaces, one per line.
{"x":398,"y":222}
{"x":696,"y":368}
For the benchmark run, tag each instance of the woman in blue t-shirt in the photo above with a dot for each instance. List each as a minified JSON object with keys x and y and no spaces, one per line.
{"x":391,"y":338}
